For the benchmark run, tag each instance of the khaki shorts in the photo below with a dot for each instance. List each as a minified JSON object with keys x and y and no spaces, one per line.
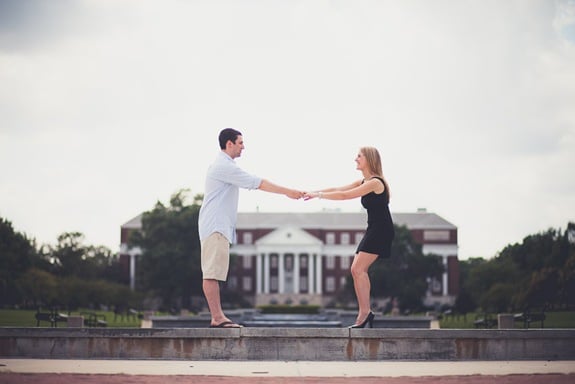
{"x":215,"y":257}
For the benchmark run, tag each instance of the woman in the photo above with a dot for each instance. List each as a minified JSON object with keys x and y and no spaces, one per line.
{"x":374,"y":192}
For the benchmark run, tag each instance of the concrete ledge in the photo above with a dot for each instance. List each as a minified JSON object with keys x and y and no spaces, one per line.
{"x":288,"y":344}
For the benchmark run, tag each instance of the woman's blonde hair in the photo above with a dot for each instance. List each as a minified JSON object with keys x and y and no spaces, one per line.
{"x":374,"y":163}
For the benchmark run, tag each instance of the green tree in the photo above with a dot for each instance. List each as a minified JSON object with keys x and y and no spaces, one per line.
{"x":170,"y":263}
{"x":39,"y":287}
{"x":466,"y":300}
{"x":17,"y":255}
{"x":72,"y":258}
{"x":537,"y":272}
{"x":69,"y":254}
{"x":567,"y":292}
{"x":487,"y":274}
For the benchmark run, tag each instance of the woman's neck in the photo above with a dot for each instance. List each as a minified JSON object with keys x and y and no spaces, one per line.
{"x":367,"y":175}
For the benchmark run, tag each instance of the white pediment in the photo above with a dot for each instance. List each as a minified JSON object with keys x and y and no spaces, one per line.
{"x":288,"y":235}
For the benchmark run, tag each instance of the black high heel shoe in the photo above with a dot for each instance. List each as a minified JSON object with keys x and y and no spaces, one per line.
{"x":368,"y":320}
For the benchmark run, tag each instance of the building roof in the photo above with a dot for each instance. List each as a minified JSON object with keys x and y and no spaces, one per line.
{"x":288,"y":235}
{"x":336,"y":220}
{"x":135,"y":223}
{"x":324,"y":220}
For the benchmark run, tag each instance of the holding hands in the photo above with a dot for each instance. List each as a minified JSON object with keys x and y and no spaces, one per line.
{"x":312,"y":195}
{"x":296,"y":194}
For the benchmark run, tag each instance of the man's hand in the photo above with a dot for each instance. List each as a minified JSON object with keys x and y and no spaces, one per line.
{"x":294,"y":194}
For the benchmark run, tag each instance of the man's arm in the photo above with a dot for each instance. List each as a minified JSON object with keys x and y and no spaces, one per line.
{"x":268,"y":186}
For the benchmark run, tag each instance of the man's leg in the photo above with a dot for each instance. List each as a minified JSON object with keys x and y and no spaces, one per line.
{"x":212,"y":292}
{"x":215,"y":265}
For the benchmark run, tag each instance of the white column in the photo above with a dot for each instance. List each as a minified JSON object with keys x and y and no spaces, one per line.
{"x":296,"y":273}
{"x":266,"y":273}
{"x":132,"y":271}
{"x":281,"y":273}
{"x":259,"y":276}
{"x":445,"y":276}
{"x":318,"y":274}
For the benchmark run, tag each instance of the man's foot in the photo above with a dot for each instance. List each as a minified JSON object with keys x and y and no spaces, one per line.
{"x":226,"y":324}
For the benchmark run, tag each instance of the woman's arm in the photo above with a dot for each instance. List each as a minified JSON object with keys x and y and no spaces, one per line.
{"x":348,"y":192}
{"x":342,"y":188}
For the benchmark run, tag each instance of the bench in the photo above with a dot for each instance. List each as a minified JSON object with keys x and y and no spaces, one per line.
{"x":530,"y":316}
{"x":485,"y":320}
{"x":92,"y":319}
{"x":129,"y":313}
{"x":53,"y":317}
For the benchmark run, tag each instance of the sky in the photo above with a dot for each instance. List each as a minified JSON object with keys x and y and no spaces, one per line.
{"x":109,"y":106}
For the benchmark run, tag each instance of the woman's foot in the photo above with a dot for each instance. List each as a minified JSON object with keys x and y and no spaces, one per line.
{"x":368,"y":320}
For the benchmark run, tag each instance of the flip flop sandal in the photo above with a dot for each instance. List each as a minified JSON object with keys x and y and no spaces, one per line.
{"x":226,"y":324}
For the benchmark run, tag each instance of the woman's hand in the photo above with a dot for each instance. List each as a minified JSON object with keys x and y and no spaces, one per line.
{"x":311,"y":195}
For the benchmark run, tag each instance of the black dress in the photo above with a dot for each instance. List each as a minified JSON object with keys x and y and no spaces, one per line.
{"x":380,"y":232}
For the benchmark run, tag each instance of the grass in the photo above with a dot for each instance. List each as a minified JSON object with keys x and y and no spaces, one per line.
{"x":26,"y":318}
{"x":552,"y":320}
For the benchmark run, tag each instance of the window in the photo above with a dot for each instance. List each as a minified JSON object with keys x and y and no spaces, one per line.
{"x":274,"y":261}
{"x":303,"y":284}
{"x":342,"y":282}
{"x":358,"y":237}
{"x":330,"y":262}
{"x":303,"y":261}
{"x":248,"y":238}
{"x":247,"y":262}
{"x":289,"y":262}
{"x":330,"y":284}
{"x":345,"y":238}
{"x":330,"y":238}
{"x":435,"y":286}
{"x":274,"y":283}
{"x":344,"y":262}
{"x":435,"y":235}
{"x":247,"y":284}
{"x":232,"y":282}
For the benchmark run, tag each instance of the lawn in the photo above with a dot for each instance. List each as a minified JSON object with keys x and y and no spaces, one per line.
{"x":552,"y":320}
{"x":26,"y":318}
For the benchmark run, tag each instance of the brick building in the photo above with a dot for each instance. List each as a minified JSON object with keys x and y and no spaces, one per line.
{"x":305,"y":257}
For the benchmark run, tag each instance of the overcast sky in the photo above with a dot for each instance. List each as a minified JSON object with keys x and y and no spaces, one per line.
{"x":108,"y":106}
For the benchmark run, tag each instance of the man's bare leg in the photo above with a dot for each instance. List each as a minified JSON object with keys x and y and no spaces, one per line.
{"x":212,"y":293}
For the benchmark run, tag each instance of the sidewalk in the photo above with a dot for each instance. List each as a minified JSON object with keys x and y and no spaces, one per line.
{"x":238,"y":372}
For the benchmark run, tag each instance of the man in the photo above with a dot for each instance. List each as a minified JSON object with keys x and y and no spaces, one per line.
{"x":218,"y":216}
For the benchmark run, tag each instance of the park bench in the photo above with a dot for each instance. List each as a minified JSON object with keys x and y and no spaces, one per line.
{"x":92,"y":319}
{"x":129,"y":313}
{"x":531,"y":316}
{"x":485,"y":320}
{"x":53,"y":317}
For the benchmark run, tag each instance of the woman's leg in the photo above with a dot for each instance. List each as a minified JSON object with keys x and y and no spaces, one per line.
{"x":361,"y":283}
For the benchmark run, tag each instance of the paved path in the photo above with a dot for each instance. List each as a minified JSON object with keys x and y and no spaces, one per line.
{"x":37,"y":371}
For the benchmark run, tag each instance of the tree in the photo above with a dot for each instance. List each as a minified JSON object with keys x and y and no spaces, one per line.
{"x":17,"y":255}
{"x":539,"y":271}
{"x":466,"y":300}
{"x":170,"y":261}
{"x":72,"y":258}
{"x":69,"y":254}
{"x":38,"y":287}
